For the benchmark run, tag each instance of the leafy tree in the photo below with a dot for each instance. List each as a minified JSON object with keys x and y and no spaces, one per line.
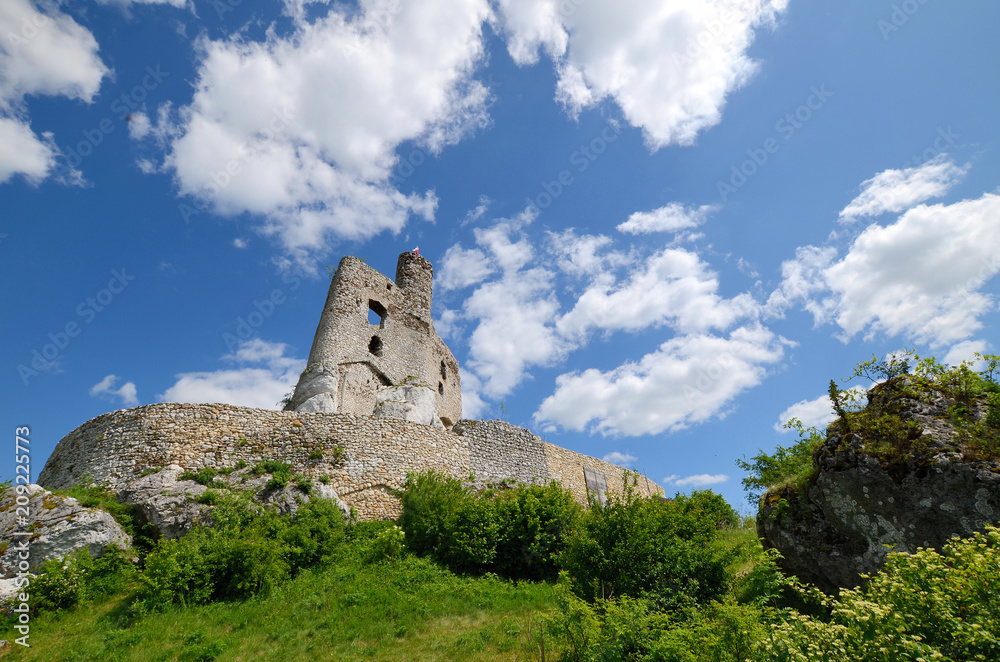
{"x":791,"y":465}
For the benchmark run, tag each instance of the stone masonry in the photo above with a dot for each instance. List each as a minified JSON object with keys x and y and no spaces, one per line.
{"x":380,"y":397}
{"x":376,"y":334}
{"x":365,"y":458}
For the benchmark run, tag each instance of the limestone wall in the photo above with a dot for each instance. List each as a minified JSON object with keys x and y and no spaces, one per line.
{"x":365,"y":458}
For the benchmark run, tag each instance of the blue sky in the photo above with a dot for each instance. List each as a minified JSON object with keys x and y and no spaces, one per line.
{"x":658,"y":228}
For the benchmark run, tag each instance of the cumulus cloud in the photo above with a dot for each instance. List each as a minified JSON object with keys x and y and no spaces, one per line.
{"x":262,"y":375}
{"x":44,"y":52}
{"x":716,"y":346}
{"x":965,"y":351}
{"x":462,"y":268}
{"x":919,"y":277}
{"x":621,"y":459}
{"x":669,"y":218}
{"x":896,"y":190}
{"x":673,"y":286}
{"x":301,"y":130}
{"x":687,"y":380}
{"x":126,"y":393}
{"x":696,"y":480}
{"x":668,"y":65}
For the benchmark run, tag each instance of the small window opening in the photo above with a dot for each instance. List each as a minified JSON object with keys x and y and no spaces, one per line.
{"x":444,"y":371}
{"x":376,"y":313}
{"x":440,"y":388}
{"x":388,"y":286}
{"x":375,"y":346}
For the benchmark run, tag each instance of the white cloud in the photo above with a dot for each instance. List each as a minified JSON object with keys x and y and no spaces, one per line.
{"x":21,"y":151}
{"x":696,"y":480}
{"x":240,"y":242}
{"x":688,"y":380}
{"x":669,"y":218}
{"x":462,"y":268}
{"x":672,"y":287}
{"x":621,"y":459}
{"x":669,"y":66}
{"x":896,"y":190}
{"x":579,"y":256}
{"x":139,"y":125}
{"x":45,"y":52}
{"x":921,"y":276}
{"x":311,"y":121}
{"x":263,"y":376}
{"x":965,"y":351}
{"x":817,"y":413}
{"x":476,"y":213}
{"x":127,"y":391}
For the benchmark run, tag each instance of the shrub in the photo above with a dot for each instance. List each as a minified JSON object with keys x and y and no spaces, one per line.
{"x":636,"y":547}
{"x":920,"y":606}
{"x":515,"y":533}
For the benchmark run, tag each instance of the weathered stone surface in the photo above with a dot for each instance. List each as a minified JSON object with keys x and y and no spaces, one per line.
{"x":375,"y":333}
{"x":59,"y":526}
{"x":166,"y":501}
{"x":408,"y":402}
{"x":365,"y":459}
{"x":861,"y":507}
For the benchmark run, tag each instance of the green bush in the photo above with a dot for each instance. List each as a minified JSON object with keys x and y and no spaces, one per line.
{"x":515,"y":532}
{"x":634,"y":546}
{"x":78,"y":579}
{"x":248,"y":551}
{"x":921,"y":606}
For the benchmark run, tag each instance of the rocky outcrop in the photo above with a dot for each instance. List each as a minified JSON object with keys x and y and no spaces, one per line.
{"x":918,"y":481}
{"x":408,"y":402}
{"x":166,"y":501}
{"x":58,"y":526}
{"x":174,"y":505}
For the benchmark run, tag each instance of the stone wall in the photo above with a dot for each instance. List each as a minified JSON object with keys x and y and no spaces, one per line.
{"x":365,"y":458}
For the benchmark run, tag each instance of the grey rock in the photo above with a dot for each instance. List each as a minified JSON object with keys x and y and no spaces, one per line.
{"x":59,"y":527}
{"x":167,"y":502}
{"x":409,"y":402}
{"x":860,"y":506}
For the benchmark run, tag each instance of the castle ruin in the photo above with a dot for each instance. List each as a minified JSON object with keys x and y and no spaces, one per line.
{"x":376,"y":351}
{"x":380,"y":397}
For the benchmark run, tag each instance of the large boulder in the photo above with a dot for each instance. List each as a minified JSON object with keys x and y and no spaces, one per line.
{"x":171,"y":504}
{"x":58,"y":526}
{"x":873,"y":494}
{"x":166,"y":501}
{"x":412,"y":402}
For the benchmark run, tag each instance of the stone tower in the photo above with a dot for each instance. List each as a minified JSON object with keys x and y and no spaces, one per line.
{"x":376,"y":351}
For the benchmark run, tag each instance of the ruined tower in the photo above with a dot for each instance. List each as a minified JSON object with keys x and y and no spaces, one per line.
{"x":376,"y":351}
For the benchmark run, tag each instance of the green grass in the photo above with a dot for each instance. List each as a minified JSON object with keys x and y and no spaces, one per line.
{"x":409,"y":609}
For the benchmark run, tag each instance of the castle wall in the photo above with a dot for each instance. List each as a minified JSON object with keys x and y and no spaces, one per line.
{"x":374,"y":457}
